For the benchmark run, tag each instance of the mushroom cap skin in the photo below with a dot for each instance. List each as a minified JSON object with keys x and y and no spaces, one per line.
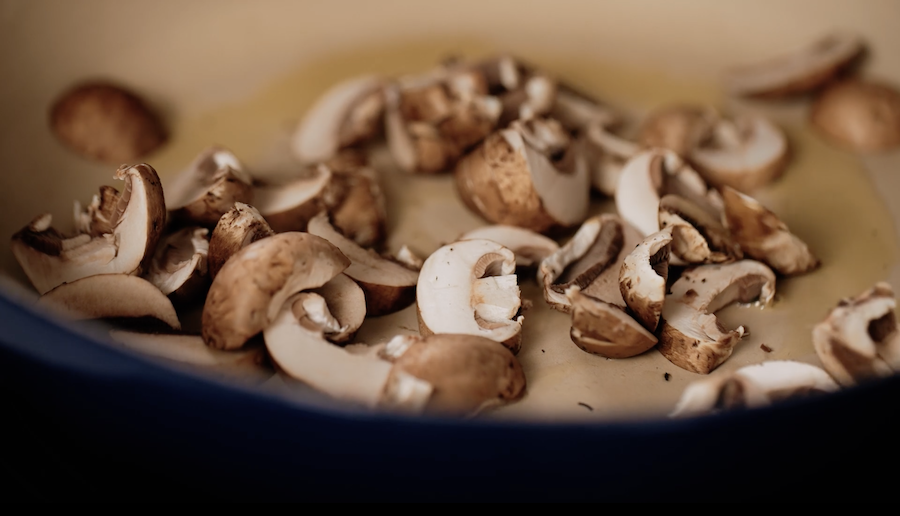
{"x":360,"y":213}
{"x":859,"y":340}
{"x":678,"y":128}
{"x":764,"y":237}
{"x":110,"y":296}
{"x":239,"y":227}
{"x":469,"y":287}
{"x":530,"y":247}
{"x":690,"y":336}
{"x":468,"y":373}
{"x":208,"y":188}
{"x":858,"y":115}
{"x":252,"y":286}
{"x":49,"y":259}
{"x":179,"y":266}
{"x":643,"y":275}
{"x":605,"y":329}
{"x":697,"y":236}
{"x":347,"y":303}
{"x":289,"y":206}
{"x":799,"y":71}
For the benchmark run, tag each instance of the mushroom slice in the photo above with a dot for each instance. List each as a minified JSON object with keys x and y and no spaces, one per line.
{"x":591,"y":260}
{"x":355,"y":201}
{"x":469,"y":374}
{"x":347,"y":303}
{"x":859,"y":339}
{"x":530,"y":247}
{"x":208,"y":188}
{"x":608,"y":154}
{"x":110,"y":296}
{"x":691,"y":337}
{"x":347,"y":114}
{"x":745,"y":154}
{"x":753,"y":386}
{"x":764,"y":237}
{"x":859,"y":115}
{"x":179,"y":267}
{"x":577,"y":111}
{"x":678,"y":128}
{"x":799,"y":71}
{"x":697,"y":236}
{"x":239,"y":227}
{"x":99,"y":217}
{"x":469,"y":287}
{"x":388,"y":285}
{"x":605,"y":329}
{"x":409,"y":259}
{"x":289,"y":206}
{"x":296,"y":340}
{"x":513,"y":179}
{"x":643,"y":276}
{"x":50,"y":259}
{"x":250,"y":289}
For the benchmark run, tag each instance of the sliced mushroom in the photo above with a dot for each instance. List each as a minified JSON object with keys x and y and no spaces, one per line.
{"x":530,"y":247}
{"x":605,"y":329}
{"x":346,"y":301}
{"x":859,"y":340}
{"x":110,"y":296}
{"x":513,"y":179}
{"x":389,"y":286}
{"x":859,"y":115}
{"x":745,"y":154}
{"x":799,"y":71}
{"x":609,"y":152}
{"x":251,"y":288}
{"x":753,"y":386}
{"x":289,"y":206}
{"x":208,"y":188}
{"x":469,"y":287}
{"x":179,"y":267}
{"x":347,"y":114}
{"x":691,"y":336}
{"x":697,"y":236}
{"x":239,"y":227}
{"x":50,"y":259}
{"x":643,"y":276}
{"x":577,"y":111}
{"x":409,"y":259}
{"x":764,"y":237}
{"x":355,"y":201}
{"x":678,"y":128}
{"x":100,"y":216}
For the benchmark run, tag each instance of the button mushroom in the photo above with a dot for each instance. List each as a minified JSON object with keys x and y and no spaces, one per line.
{"x":859,"y":115}
{"x":239,"y":227}
{"x":208,"y":188}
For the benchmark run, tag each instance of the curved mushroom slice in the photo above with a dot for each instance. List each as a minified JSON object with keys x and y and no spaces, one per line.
{"x":609,"y":152}
{"x":208,"y":188}
{"x":764,"y":237}
{"x":862,"y":116}
{"x":346,"y":301}
{"x":577,"y":111}
{"x":757,"y":385}
{"x":511,"y":178}
{"x":389,"y":286}
{"x":591,"y":260}
{"x":356,"y":204}
{"x":252,"y":286}
{"x":50,"y":259}
{"x":347,"y":114}
{"x":697,"y":237}
{"x":799,"y":71}
{"x":179,"y":266}
{"x":289,"y":206}
{"x":678,"y":128}
{"x":643,"y":276}
{"x":100,"y":216}
{"x":745,"y":154}
{"x":605,"y":329}
{"x":239,"y":227}
{"x":859,"y":340}
{"x":110,"y":296}
{"x":409,"y":259}
{"x":691,"y":337}
{"x":469,"y":374}
{"x":529,"y":247}
{"x":651,"y":174}
{"x":469,"y":287}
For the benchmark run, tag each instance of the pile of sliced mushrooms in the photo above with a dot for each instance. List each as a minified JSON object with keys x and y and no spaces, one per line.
{"x":287,"y":273}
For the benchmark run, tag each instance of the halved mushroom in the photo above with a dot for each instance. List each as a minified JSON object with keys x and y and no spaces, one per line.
{"x":859,"y":340}
{"x":513,"y":177}
{"x":529,"y":247}
{"x":745,"y":154}
{"x":289,"y":206}
{"x":208,"y":188}
{"x":239,"y":227}
{"x":643,"y":276}
{"x":859,"y":115}
{"x":691,"y":336}
{"x":388,"y":285}
{"x":678,"y":128}
{"x":110,"y":296}
{"x":798,"y":71}
{"x":179,"y":267}
{"x":252,"y":286}
{"x":764,"y":237}
{"x":697,"y":236}
{"x":753,"y":386}
{"x":469,"y":287}
{"x":605,"y":329}
{"x":355,"y":201}
{"x":347,"y":114}
{"x":50,"y":259}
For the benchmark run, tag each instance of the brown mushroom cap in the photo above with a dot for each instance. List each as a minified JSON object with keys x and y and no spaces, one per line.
{"x":239,"y":227}
{"x":643,"y":276}
{"x":697,"y":236}
{"x":859,"y":115}
{"x":605,"y":329}
{"x":179,"y":266}
{"x":289,"y":206}
{"x":208,"y":188}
